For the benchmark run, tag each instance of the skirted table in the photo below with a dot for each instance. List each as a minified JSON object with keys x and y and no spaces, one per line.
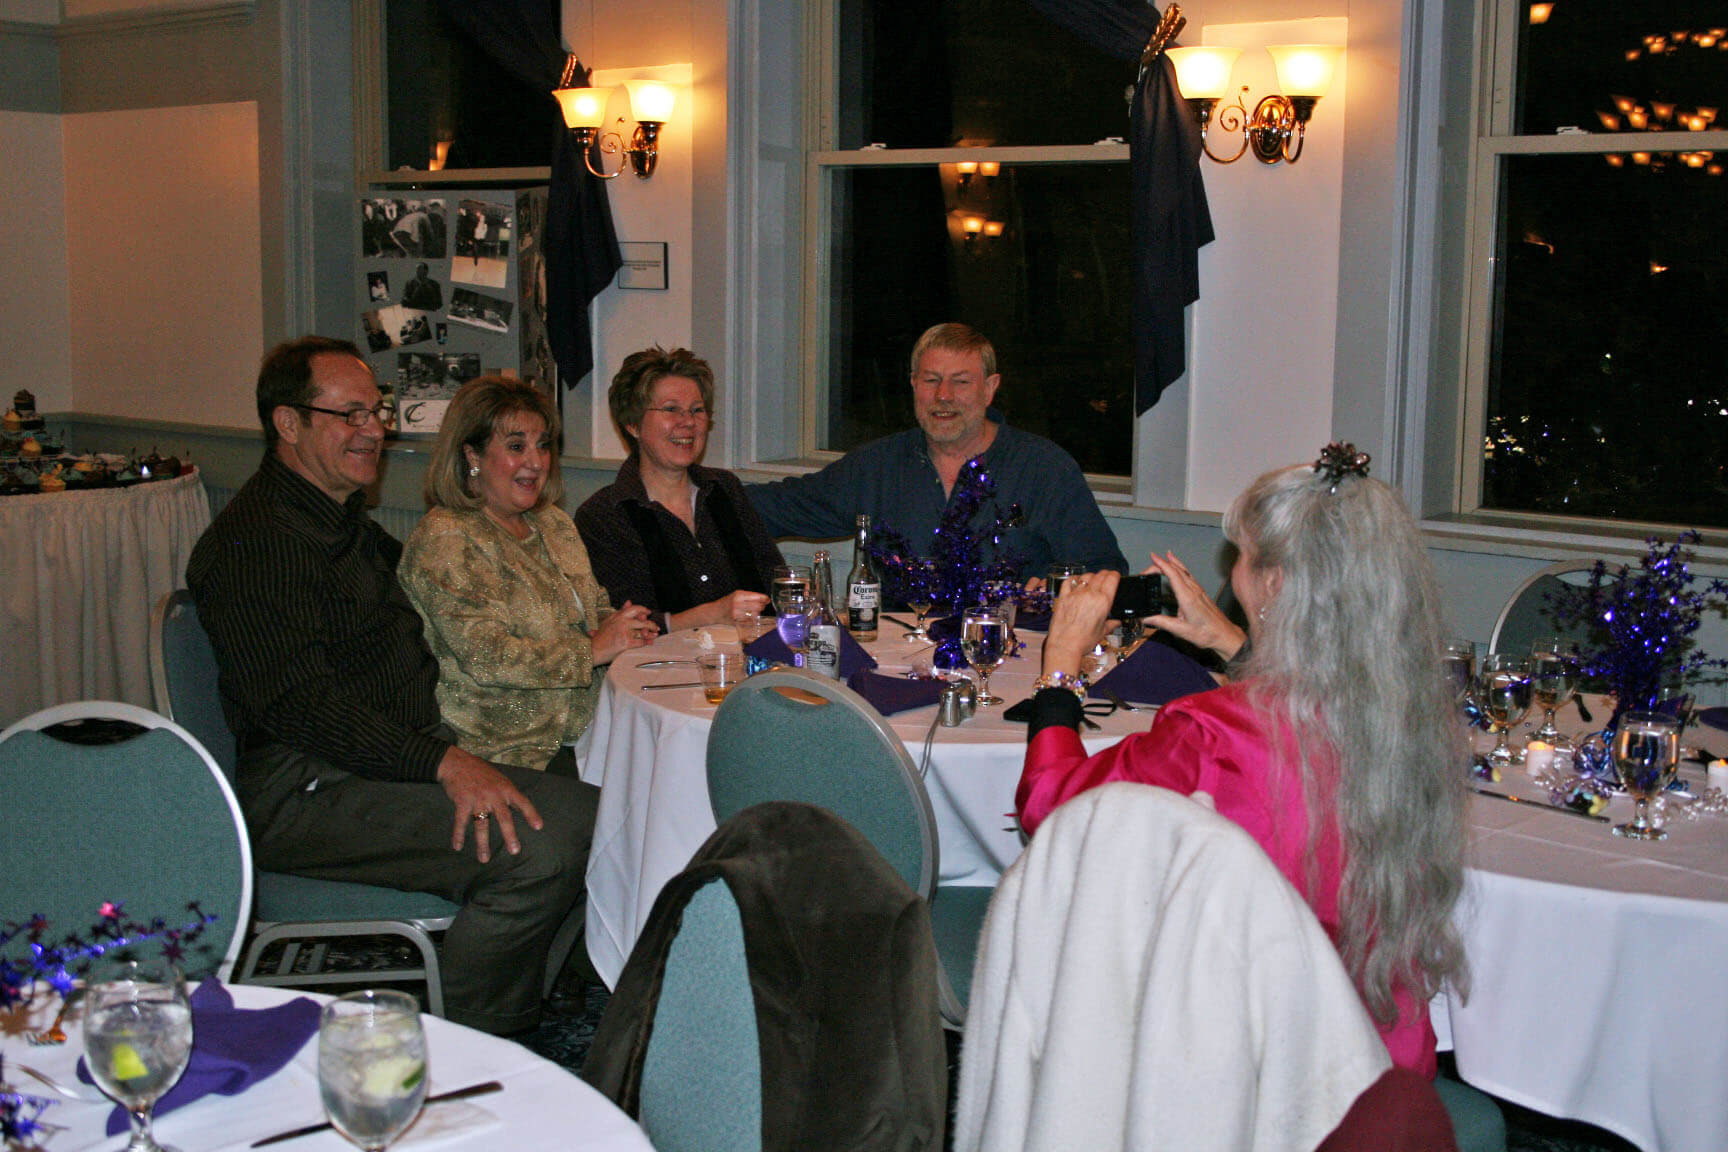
{"x":79,"y":575}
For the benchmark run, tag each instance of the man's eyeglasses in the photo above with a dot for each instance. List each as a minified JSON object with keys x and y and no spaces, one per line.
{"x":677,"y":413}
{"x":356,"y":417}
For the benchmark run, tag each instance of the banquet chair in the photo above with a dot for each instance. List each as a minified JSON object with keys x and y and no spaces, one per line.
{"x":701,"y":1078}
{"x":1525,"y":616}
{"x":826,"y":745}
{"x":291,"y":909}
{"x":111,"y":803}
{"x":784,"y":993}
{"x":1148,"y":979}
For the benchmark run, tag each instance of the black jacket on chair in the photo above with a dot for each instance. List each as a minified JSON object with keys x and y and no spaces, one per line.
{"x":843,"y":973}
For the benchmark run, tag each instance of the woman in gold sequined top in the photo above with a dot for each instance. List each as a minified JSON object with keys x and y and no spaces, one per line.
{"x":512,"y":611}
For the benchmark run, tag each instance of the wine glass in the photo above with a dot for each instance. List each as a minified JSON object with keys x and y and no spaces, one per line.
{"x":1459,"y":661}
{"x":793,"y":622}
{"x":137,"y":1040}
{"x":372,"y":1065}
{"x":1553,"y":681}
{"x":984,"y":640}
{"x":1503,"y":689}
{"x":921,"y":582}
{"x":1647,"y":754}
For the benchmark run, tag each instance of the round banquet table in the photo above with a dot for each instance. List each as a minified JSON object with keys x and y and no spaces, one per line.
{"x":647,"y":750}
{"x":79,"y":576}
{"x":1593,"y":988}
{"x":541,"y":1105}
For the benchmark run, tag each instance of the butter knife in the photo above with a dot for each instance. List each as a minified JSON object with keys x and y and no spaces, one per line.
{"x":455,"y":1094}
{"x":680,"y":684}
{"x":1537,"y":804}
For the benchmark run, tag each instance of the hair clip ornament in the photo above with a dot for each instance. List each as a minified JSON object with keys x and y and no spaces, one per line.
{"x":1340,"y":460}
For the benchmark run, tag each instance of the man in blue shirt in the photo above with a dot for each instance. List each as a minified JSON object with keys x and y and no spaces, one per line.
{"x":905,"y":481}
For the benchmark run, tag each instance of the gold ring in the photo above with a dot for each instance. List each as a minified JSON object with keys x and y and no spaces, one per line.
{"x":483,"y":814}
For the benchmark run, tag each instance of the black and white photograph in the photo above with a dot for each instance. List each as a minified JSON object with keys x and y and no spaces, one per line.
{"x":483,"y":235}
{"x":395,"y":327}
{"x":378,"y":286}
{"x":422,"y":291}
{"x":403,"y":229}
{"x":478,"y":310}
{"x":420,"y":376}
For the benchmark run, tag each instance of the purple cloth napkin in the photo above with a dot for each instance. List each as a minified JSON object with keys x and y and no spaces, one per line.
{"x":1154,"y":674}
{"x":1715,"y":717}
{"x":769,"y":646}
{"x":891,"y":694}
{"x":232,"y":1048}
{"x":1032,"y":621}
{"x":943,"y":628}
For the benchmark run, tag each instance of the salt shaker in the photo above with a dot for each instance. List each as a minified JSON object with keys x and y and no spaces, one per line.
{"x":968,"y":693}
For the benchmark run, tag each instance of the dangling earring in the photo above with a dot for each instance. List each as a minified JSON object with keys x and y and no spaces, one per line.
{"x":1261,"y":615}
{"x":473,"y":470}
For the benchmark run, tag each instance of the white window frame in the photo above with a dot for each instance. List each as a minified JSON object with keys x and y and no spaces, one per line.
{"x":1492,"y":140}
{"x":823,"y":163}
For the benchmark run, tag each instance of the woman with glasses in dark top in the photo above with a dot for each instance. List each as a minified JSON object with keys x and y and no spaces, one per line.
{"x":669,"y":533}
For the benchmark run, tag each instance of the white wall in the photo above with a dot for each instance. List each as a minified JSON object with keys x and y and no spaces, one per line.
{"x":33,"y":292}
{"x":653,"y":210}
{"x":1261,"y":358}
{"x":163,"y":262}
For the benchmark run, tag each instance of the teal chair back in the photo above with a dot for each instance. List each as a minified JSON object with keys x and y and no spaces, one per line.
{"x":147,"y":820}
{"x":823,"y":745}
{"x":702,"y":1073}
{"x":183,"y":677}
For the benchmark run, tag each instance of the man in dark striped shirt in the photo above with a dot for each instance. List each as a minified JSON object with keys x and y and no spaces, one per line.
{"x":345,"y":770}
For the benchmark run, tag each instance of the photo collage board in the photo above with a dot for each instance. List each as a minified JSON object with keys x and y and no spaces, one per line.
{"x":451,"y":286}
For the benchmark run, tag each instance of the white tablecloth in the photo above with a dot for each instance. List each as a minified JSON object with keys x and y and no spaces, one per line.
{"x":79,"y":575}
{"x":1597,"y":968}
{"x":648,"y":752}
{"x":541,"y":1106}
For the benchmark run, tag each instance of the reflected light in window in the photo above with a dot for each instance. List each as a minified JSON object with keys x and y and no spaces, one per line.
{"x":1539,"y":13}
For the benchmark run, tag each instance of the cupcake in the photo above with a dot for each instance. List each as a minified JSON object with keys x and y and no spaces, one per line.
{"x":12,"y":422}
{"x":24,"y":405}
{"x":52,"y":482}
{"x":31,"y":449}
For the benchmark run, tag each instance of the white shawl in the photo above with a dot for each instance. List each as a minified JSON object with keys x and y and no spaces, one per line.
{"x":1147,"y":980}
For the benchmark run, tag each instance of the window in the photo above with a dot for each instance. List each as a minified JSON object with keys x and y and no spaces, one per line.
{"x":1601,"y":368}
{"x":957,"y":175}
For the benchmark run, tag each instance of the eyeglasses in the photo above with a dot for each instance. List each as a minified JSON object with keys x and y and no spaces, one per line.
{"x":676,"y":413}
{"x":356,"y":417}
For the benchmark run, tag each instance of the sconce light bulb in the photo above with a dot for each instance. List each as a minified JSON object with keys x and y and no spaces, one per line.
{"x":1305,"y":69}
{"x":1203,"y":73}
{"x":989,"y":168}
{"x":992,"y":227}
{"x":583,"y":107}
{"x":972,"y":225}
{"x":651,"y":101}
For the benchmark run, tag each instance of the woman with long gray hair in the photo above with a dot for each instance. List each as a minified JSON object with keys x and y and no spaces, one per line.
{"x":1337,"y":748}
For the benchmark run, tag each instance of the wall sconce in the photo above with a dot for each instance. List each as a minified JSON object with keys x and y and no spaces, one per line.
{"x":992,"y":228}
{"x":988,"y":169}
{"x":966,"y":169}
{"x":1304,"y":73}
{"x":585,"y":114}
{"x":971,"y":226}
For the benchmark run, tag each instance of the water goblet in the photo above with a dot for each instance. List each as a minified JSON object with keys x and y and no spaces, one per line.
{"x":1503,"y":689}
{"x":793,"y":622}
{"x":984,"y":640}
{"x":1554,"y":662}
{"x":1647,"y":755}
{"x":1056,"y":573}
{"x":372,"y":1065}
{"x":1459,"y":661}
{"x":138,"y":1040}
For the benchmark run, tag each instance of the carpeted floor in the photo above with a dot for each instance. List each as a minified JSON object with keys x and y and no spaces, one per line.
{"x":564,"y":1040}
